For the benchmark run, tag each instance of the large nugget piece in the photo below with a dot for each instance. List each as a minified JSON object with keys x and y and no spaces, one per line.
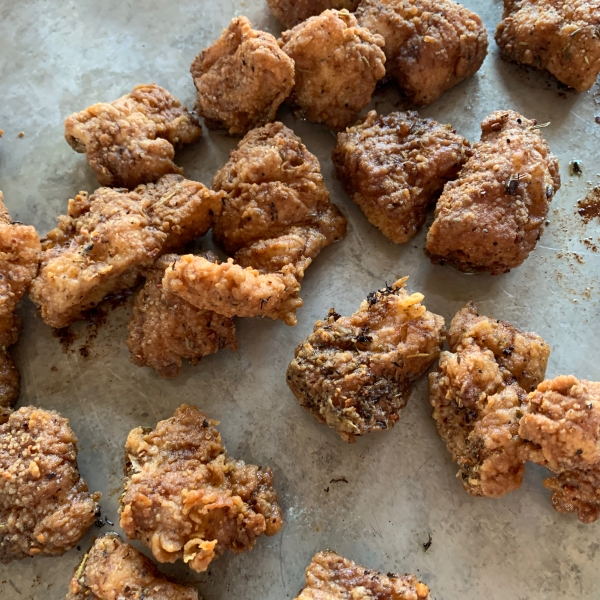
{"x":430,"y":45}
{"x":491,"y":217}
{"x":242,"y":78}
{"x":45,"y":507}
{"x":332,"y":577}
{"x":479,"y":393}
{"x":338,"y":65}
{"x":293,"y":12}
{"x":133,"y":139}
{"x":106,"y":239}
{"x":186,"y":499}
{"x":557,"y":36}
{"x":114,"y":570}
{"x":393,"y":167}
{"x":355,"y":373}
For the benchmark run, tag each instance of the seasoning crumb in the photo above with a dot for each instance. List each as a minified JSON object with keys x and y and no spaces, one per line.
{"x":597,"y":119}
{"x":589,"y":207}
{"x":340,"y":480}
{"x":427,"y":544}
{"x":576,"y":167}
{"x":1,"y":132}
{"x":21,"y":134}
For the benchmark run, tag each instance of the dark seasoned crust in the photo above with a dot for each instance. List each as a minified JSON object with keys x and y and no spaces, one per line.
{"x":491,"y":217}
{"x":393,"y":167}
{"x":577,"y":492}
{"x":293,"y":12}
{"x":10,"y":378}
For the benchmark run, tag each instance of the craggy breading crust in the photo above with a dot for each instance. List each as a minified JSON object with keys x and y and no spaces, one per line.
{"x":165,"y":328}
{"x":491,"y":217}
{"x":114,"y":570}
{"x":133,"y":139}
{"x":106,"y":239}
{"x":479,"y":393}
{"x":332,"y":577}
{"x":355,"y":373}
{"x":558,"y":36}
{"x":45,"y":507}
{"x":430,"y":45}
{"x":293,"y":12}
{"x":186,"y":499}
{"x":394,"y":166}
{"x":338,"y":65}
{"x":242,"y":78}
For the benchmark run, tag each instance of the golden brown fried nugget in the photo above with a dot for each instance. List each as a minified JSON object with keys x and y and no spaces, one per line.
{"x":106,"y":240}
{"x":242,"y":78}
{"x":186,"y":499}
{"x":430,"y":45}
{"x":133,"y":139}
{"x":355,"y":373}
{"x":114,"y":570}
{"x":393,"y":167}
{"x":293,"y":12}
{"x":338,"y":65}
{"x":491,"y":217}
{"x":479,"y":393}
{"x":555,"y":35}
{"x":45,"y":507}
{"x":332,"y":577}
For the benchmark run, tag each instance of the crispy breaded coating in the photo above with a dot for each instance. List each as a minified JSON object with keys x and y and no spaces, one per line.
{"x":186,"y":499}
{"x":45,"y":507}
{"x":338,"y":65}
{"x":292,"y":12}
{"x":242,"y":78}
{"x":578,"y":492}
{"x":10,"y":378}
{"x":332,"y":577}
{"x":355,"y":373}
{"x":430,"y":45}
{"x":393,"y":167}
{"x":165,"y":328}
{"x":114,"y":570}
{"x":101,"y":246}
{"x":133,"y":139}
{"x":491,"y":217}
{"x":555,"y":35}
{"x":479,"y":394}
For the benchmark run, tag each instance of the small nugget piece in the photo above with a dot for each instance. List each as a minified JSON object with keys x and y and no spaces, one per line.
{"x":106,"y":240}
{"x":332,"y":577}
{"x":133,"y":139}
{"x":338,"y":65}
{"x":479,"y":394}
{"x":430,"y":45}
{"x":45,"y":507}
{"x":558,"y":36}
{"x":293,"y":12}
{"x":242,"y":78}
{"x":355,"y":373}
{"x":393,"y":167}
{"x":114,"y":570}
{"x":491,"y":217}
{"x":186,"y":499}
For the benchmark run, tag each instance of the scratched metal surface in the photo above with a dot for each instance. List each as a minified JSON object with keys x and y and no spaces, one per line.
{"x":57,"y":57}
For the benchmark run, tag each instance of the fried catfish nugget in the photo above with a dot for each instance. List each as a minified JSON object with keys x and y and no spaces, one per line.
{"x":479,"y":393}
{"x":393,"y":167}
{"x":114,"y":570}
{"x":103,"y":243}
{"x":165,"y":328}
{"x":45,"y":507}
{"x":338,"y":65}
{"x":355,"y":373}
{"x":332,"y":577}
{"x":242,"y":78}
{"x":430,"y":45}
{"x":133,"y":139}
{"x":186,"y":499}
{"x":557,"y":36}
{"x":491,"y":217}
{"x":293,"y":12}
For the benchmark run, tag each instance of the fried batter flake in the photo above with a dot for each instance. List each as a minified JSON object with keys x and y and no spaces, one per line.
{"x":338,"y":65}
{"x":45,"y":507}
{"x":491,"y":217}
{"x":186,"y":499}
{"x":292,"y":12}
{"x":133,"y":139}
{"x":430,"y":45}
{"x":393,"y":167}
{"x":355,"y":373}
{"x":242,"y":78}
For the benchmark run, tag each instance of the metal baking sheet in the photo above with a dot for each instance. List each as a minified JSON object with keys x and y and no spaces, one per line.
{"x":57,"y":57}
